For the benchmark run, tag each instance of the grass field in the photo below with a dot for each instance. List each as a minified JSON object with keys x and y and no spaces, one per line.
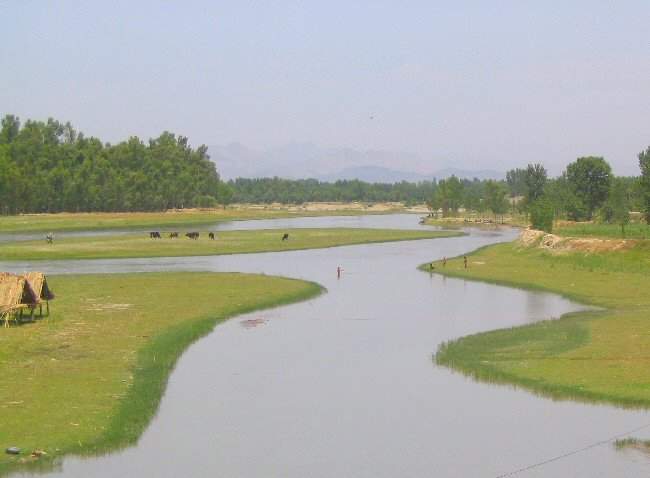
{"x":593,"y":355}
{"x":156,"y":220}
{"x":90,"y":378}
{"x":228,"y":242}
{"x":636,"y":230}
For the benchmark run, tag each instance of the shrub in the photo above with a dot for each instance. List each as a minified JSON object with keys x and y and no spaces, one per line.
{"x":542,"y":215}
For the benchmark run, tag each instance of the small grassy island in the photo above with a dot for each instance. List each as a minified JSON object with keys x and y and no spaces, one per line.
{"x":89,"y":378}
{"x":593,"y":355}
{"x":227,"y":242}
{"x":185,"y":218}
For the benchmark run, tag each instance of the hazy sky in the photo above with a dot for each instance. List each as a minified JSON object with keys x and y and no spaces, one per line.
{"x":477,"y":84}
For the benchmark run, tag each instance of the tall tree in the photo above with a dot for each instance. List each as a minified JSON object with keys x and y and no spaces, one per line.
{"x":618,"y":204}
{"x":535,"y":180}
{"x":450,"y":194}
{"x":516,"y":179}
{"x":495,"y":197}
{"x":10,"y":129}
{"x":224,"y":194}
{"x":589,"y":178}
{"x":644,"y":164}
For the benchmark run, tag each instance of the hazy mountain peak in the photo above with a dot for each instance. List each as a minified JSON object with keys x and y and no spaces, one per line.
{"x":307,"y":160}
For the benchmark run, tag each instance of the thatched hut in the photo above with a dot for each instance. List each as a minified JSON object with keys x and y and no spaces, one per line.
{"x":38,"y":283}
{"x":16,"y":295}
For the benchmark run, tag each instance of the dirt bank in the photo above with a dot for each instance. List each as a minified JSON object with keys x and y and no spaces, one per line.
{"x":552,"y":242}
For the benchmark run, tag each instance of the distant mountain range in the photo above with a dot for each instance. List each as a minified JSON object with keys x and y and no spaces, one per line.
{"x":305,"y":160}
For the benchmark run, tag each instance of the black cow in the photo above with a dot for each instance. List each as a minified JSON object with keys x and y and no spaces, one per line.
{"x":211,"y":235}
{"x":193,"y":235}
{"x":285,"y":237}
{"x":154,"y":235}
{"x":173,"y":235}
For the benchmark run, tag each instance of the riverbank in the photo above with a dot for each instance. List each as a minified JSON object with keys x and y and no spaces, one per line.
{"x":487,"y":220}
{"x":89,"y":378}
{"x":593,"y":355}
{"x":25,"y":223}
{"x":226,"y":242}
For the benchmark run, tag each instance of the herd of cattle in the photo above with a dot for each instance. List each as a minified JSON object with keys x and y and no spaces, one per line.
{"x":195,"y":235}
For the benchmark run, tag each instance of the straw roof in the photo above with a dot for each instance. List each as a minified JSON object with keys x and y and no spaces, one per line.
{"x":15,"y":291}
{"x":38,"y":283}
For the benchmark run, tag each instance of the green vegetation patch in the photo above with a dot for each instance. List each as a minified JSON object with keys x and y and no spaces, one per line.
{"x":89,"y":378}
{"x":591,"y":355}
{"x":227,"y":242}
{"x":637,"y":230}
{"x":155,"y":220}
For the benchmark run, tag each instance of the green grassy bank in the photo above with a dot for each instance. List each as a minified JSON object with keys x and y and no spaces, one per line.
{"x":228,"y":242}
{"x":636,"y":230}
{"x":26,"y":223}
{"x":598,"y":356}
{"x":90,"y":378}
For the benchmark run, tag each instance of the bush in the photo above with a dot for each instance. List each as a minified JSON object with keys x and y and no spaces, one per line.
{"x":542,"y":215}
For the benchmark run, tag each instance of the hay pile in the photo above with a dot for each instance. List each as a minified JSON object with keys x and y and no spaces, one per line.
{"x":19,"y":292}
{"x":15,"y":292}
{"x":38,"y":283}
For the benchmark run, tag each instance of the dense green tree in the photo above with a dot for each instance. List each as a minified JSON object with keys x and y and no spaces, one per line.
{"x":10,"y":129}
{"x":542,"y":214}
{"x":450,"y":195}
{"x":617,"y":207}
{"x":589,"y":178}
{"x":473,"y":192}
{"x":224,"y":194}
{"x":50,"y":167}
{"x":516,"y":180}
{"x":535,"y":181}
{"x":495,"y":197}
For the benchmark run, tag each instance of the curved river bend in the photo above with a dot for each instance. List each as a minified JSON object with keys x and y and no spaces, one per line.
{"x":344,"y":385}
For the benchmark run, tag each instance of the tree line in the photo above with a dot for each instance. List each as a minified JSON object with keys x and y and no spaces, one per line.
{"x":586,"y":190}
{"x":298,"y":191}
{"x":50,"y":167}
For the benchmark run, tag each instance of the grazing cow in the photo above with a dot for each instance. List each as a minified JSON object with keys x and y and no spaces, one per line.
{"x":173,"y":235}
{"x":211,"y":235}
{"x":154,"y":235}
{"x":193,"y":235}
{"x":285,"y":237}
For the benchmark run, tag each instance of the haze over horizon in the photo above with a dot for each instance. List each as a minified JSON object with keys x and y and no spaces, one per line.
{"x":466,"y":84}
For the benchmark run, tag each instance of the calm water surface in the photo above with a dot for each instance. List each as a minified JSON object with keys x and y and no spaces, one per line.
{"x":344,"y":385}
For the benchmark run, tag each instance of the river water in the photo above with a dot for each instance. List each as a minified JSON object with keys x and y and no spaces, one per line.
{"x":344,"y":385}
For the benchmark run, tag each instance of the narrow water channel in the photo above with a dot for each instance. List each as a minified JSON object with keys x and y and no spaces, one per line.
{"x":344,"y":385}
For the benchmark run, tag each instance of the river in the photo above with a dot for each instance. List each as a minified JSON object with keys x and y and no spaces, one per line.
{"x":344,"y":385}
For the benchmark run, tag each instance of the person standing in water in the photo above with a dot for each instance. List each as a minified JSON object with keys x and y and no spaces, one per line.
{"x":338,"y":272}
